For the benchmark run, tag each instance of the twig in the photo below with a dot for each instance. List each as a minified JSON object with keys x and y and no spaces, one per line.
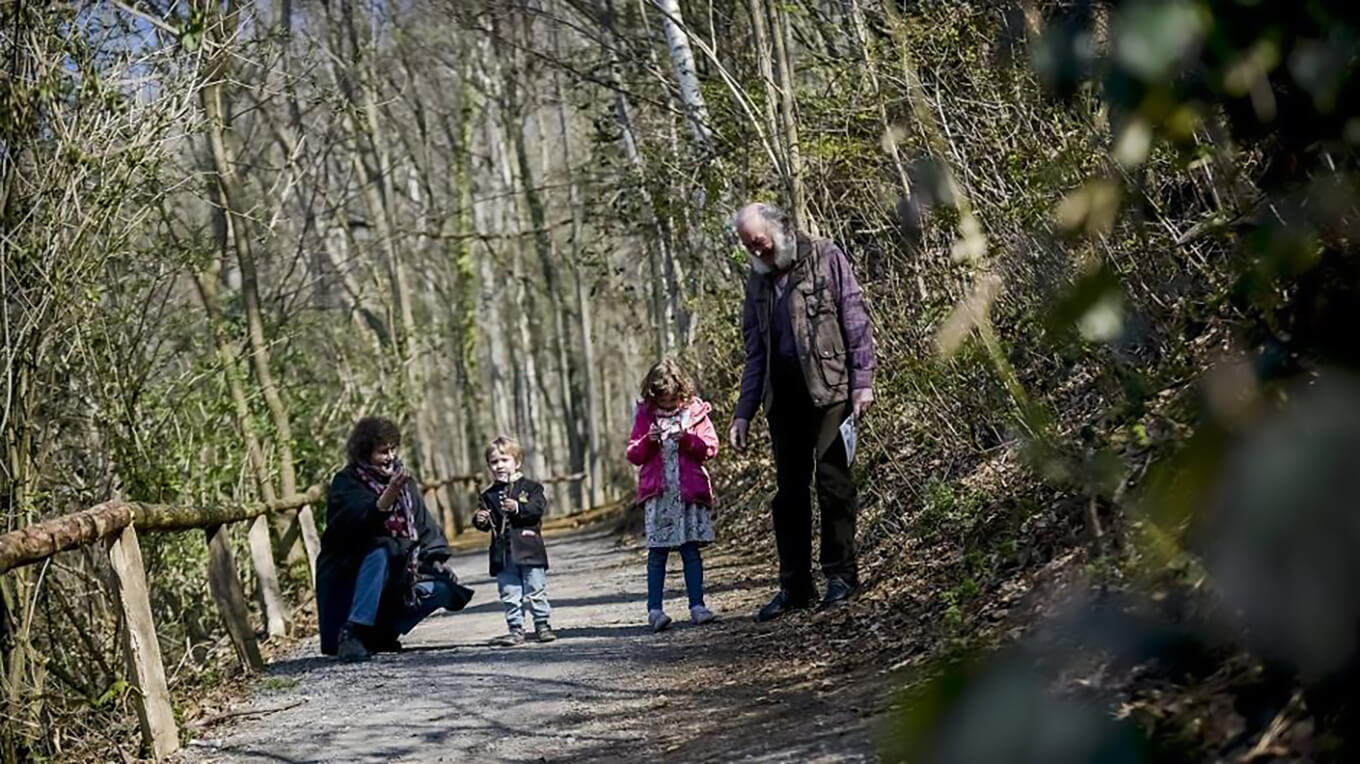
{"x":1265,"y":746}
{"x":218,"y":719}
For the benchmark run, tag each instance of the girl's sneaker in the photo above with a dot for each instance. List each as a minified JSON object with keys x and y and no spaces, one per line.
{"x":701,"y":615}
{"x":658,"y":620}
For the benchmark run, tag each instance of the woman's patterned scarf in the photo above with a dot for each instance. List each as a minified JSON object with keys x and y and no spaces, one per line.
{"x":401,"y":520}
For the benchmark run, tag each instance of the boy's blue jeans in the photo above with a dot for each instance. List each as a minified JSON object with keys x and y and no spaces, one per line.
{"x":656,"y":574}
{"x":368,"y":589}
{"x":517,"y":583}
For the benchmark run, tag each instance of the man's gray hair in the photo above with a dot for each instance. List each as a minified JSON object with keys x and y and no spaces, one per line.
{"x":775,"y":217}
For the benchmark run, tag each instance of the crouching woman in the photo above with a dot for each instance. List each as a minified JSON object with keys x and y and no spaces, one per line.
{"x":384,"y":562}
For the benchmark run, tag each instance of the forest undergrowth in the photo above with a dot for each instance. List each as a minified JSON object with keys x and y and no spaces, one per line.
{"x":1108,"y":247}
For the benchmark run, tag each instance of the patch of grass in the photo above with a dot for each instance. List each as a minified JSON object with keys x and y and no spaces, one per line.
{"x":278,"y":683}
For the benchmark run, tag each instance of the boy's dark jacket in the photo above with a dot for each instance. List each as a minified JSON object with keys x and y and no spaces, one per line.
{"x":355,"y":527}
{"x":521,"y":534}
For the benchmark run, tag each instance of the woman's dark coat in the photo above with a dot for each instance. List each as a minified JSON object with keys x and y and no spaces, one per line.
{"x":521,"y":534}
{"x":354,"y":527}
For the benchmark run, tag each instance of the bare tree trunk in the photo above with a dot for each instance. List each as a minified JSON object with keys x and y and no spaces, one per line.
{"x":871,"y":70}
{"x":463,"y":422}
{"x":527,"y":364}
{"x":491,"y":288}
{"x":783,"y":46}
{"x":760,"y":31}
{"x":533,"y":205}
{"x":372,"y":162}
{"x":589,"y":405}
{"x":232,"y":198}
{"x":659,"y":254}
{"x":261,"y":552}
{"x":677,"y":41}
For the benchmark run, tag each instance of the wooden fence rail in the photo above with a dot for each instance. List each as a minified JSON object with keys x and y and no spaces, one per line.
{"x":115,"y":525}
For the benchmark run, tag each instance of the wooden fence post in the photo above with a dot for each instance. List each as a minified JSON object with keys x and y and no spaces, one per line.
{"x":231,"y":600}
{"x":267,"y":578}
{"x":311,"y":540}
{"x":144,"y":652}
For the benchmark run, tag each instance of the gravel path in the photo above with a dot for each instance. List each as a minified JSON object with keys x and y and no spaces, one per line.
{"x":607,"y":690}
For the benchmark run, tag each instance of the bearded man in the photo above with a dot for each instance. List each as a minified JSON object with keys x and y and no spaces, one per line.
{"x":810,"y":363}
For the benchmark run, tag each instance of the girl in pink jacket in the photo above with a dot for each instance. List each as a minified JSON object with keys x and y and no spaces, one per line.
{"x":672,"y":438}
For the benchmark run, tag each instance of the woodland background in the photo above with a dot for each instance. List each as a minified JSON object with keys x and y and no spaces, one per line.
{"x":1109,"y":251}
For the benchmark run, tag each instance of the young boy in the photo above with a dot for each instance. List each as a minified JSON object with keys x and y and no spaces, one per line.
{"x":512,"y":510}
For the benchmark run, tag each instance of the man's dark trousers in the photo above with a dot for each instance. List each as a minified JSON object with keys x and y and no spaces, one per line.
{"x":796,"y":427}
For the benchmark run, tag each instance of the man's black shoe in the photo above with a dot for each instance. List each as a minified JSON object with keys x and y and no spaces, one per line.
{"x":385,"y":644}
{"x":351,"y":648}
{"x":783,"y":603}
{"x":838,"y":590}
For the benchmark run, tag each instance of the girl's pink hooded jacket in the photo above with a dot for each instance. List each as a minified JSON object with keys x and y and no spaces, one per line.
{"x":698,"y":444}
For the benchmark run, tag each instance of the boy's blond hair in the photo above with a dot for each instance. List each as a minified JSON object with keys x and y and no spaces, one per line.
{"x":506,"y":446}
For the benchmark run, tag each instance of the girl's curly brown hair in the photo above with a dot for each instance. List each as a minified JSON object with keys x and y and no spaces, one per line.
{"x":370,"y":434}
{"x":667,"y":378}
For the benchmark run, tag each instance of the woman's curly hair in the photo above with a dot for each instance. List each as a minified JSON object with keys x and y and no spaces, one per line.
{"x":666,"y":378}
{"x":370,"y":434}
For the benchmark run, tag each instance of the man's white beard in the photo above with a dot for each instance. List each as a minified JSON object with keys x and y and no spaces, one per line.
{"x":784,"y":250}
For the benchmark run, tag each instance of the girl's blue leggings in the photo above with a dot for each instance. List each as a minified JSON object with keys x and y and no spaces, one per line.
{"x":656,"y":574}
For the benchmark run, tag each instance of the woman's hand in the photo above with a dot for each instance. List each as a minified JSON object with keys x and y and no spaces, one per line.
{"x":446,"y":568}
{"x":393,"y":491}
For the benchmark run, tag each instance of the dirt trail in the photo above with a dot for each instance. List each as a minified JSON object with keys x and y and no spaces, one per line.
{"x":607,"y":690}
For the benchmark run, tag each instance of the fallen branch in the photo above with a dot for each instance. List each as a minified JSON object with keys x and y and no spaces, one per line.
{"x":219,"y":718}
{"x":1266,"y":745}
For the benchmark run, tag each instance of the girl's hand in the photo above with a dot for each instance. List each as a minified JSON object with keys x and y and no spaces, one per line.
{"x":656,"y":433}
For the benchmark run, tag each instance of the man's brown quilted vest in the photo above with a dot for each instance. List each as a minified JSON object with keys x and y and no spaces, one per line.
{"x":815,"y":314}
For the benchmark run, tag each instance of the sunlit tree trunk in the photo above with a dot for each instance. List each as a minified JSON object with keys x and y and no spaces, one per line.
{"x":783,"y":47}
{"x":682,"y":58}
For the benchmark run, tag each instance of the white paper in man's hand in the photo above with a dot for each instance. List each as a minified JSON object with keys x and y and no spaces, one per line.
{"x":848,"y":438}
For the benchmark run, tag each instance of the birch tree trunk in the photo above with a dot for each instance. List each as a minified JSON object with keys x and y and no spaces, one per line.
{"x":682,"y":58}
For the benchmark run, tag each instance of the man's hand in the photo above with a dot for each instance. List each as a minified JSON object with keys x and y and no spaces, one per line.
{"x":861,"y":400}
{"x":393,"y":490}
{"x":483,"y":517}
{"x":737,"y":436}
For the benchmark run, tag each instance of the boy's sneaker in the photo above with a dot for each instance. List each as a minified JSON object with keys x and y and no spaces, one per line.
{"x":544,"y":633}
{"x":701,"y":615}
{"x":351,"y":648}
{"x":658,"y":620}
{"x":515,"y":637}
